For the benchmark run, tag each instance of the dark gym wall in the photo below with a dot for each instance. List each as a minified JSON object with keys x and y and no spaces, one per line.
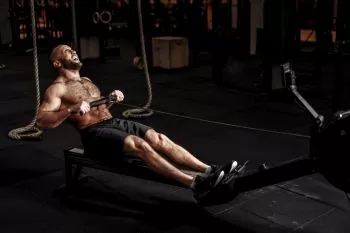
{"x":280,"y":29}
{"x":243,"y":27}
{"x":343,"y":24}
{"x":341,"y":94}
{"x":324,"y":24}
{"x":84,"y":12}
{"x":280,"y":39}
{"x":5,"y":26}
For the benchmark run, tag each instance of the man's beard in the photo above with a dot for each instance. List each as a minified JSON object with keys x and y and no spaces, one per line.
{"x":70,"y":65}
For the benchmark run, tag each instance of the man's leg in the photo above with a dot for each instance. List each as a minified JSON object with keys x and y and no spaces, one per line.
{"x":137,"y":146}
{"x":179,"y":155}
{"x":176,"y":153}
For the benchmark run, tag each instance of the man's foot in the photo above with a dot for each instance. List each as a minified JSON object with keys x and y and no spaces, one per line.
{"x":227,"y":168}
{"x":203,"y":185}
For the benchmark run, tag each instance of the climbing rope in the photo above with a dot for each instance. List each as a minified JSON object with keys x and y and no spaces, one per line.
{"x":30,"y":131}
{"x":143,"y":111}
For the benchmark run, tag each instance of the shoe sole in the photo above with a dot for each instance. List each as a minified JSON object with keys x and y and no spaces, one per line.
{"x":218,"y":180}
{"x":234,"y":164}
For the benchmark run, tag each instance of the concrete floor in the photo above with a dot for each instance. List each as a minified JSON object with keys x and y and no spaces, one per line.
{"x":216,"y":124}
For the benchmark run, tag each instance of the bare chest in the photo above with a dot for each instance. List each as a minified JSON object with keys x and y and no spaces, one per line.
{"x":77,"y":91}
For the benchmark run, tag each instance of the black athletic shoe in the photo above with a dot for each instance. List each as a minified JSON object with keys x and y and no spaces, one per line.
{"x":227,"y":168}
{"x":204,"y":185}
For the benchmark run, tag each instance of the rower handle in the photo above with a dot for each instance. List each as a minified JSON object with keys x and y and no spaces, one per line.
{"x":101,"y":101}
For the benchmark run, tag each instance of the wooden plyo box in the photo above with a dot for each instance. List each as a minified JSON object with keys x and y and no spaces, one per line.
{"x":170,"y":52}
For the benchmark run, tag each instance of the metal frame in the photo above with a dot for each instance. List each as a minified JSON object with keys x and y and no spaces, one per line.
{"x":130,"y":167}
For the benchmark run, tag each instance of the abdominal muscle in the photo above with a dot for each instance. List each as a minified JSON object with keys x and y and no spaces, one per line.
{"x":94,"y":116}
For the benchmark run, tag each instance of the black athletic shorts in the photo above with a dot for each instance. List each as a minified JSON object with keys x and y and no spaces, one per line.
{"x":105,"y":140}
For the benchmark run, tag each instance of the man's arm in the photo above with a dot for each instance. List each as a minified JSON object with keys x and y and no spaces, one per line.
{"x":50,"y":113}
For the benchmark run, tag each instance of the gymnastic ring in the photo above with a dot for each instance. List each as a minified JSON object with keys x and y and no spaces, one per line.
{"x":96,"y":17}
{"x":109,"y":17}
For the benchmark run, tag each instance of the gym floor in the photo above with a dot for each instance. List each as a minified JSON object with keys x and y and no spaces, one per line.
{"x":215,"y":124}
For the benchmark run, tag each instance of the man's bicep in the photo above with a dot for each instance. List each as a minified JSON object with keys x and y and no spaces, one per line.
{"x":51,"y":101}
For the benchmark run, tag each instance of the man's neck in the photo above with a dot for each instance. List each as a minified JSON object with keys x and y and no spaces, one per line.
{"x":71,"y":74}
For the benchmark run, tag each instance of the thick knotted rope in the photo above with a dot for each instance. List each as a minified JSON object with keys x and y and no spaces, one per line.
{"x":143,"y":111}
{"x":31,"y":131}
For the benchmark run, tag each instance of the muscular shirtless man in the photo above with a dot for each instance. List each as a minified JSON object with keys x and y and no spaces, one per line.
{"x":68,"y":97}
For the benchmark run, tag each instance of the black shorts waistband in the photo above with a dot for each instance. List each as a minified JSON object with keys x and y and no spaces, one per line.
{"x":98,"y":124}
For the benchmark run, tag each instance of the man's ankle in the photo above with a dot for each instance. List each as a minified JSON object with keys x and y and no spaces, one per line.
{"x":195,"y":181}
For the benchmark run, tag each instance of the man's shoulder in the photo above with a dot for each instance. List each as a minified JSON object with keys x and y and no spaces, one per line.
{"x":56,"y":87}
{"x":86,"y":78}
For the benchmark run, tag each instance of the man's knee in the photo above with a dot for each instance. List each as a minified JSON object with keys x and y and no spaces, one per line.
{"x":157,"y":140}
{"x":135,"y":145}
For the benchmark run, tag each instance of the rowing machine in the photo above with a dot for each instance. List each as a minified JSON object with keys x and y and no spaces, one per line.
{"x":329,"y":138}
{"x":327,"y":154}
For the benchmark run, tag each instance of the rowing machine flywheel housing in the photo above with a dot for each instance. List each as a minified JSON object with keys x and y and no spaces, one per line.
{"x":330,"y":149}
